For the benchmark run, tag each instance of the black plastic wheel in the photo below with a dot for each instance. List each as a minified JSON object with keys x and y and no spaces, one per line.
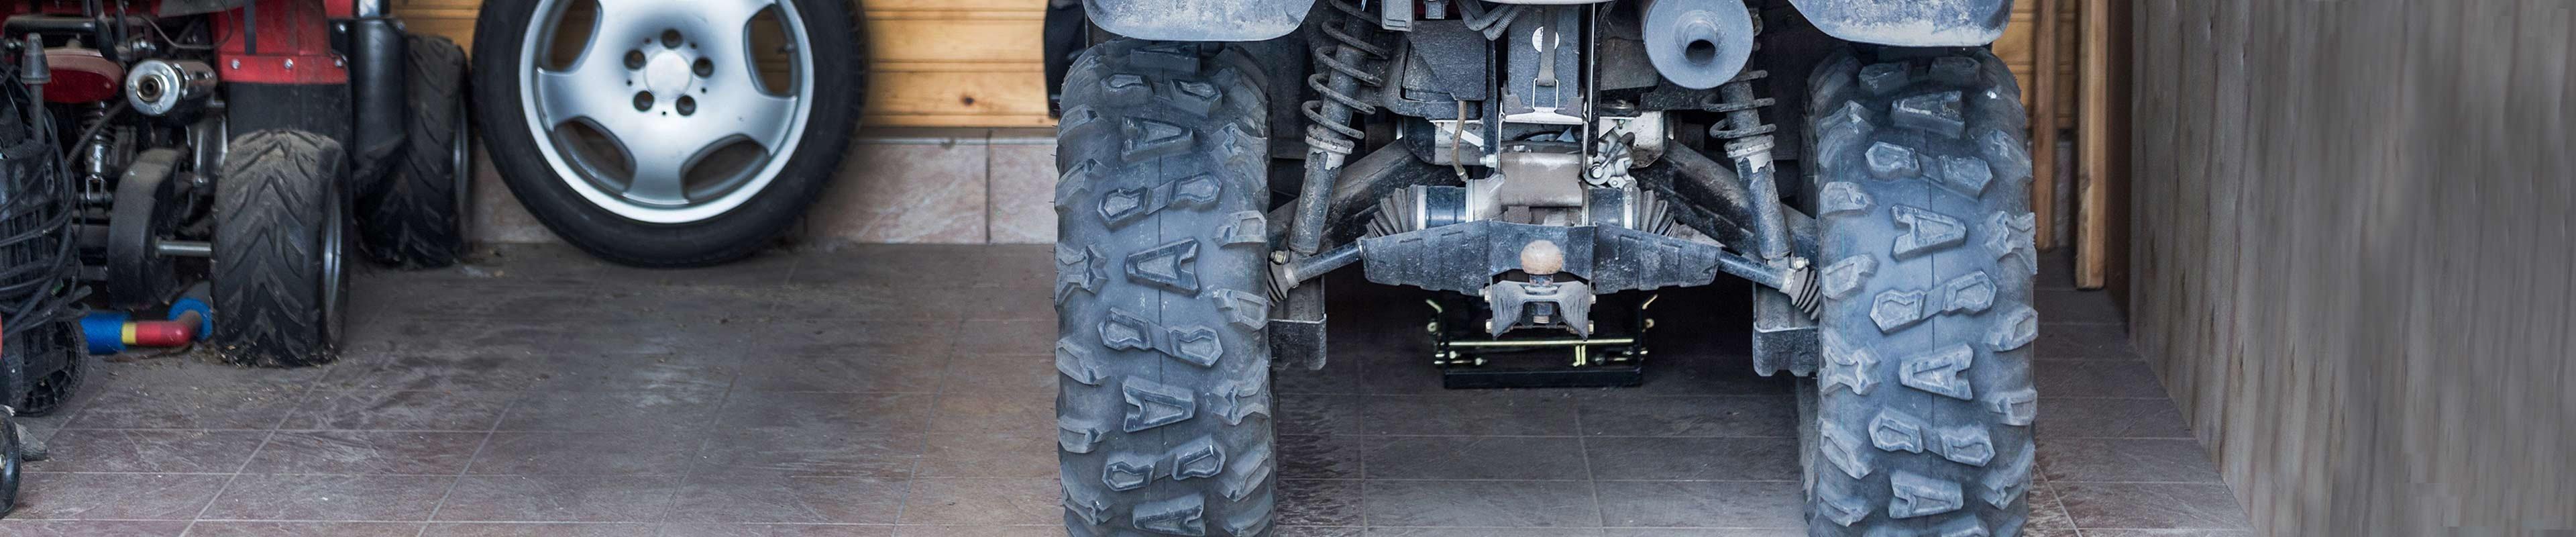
{"x":414,"y":216}
{"x":1919,"y":422}
{"x":657,"y":141}
{"x":1163,"y":406}
{"x":280,"y":227}
{"x":12,"y":456}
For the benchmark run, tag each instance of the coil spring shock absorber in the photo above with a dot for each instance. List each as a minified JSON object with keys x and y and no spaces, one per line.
{"x":1342,"y":67}
{"x":1748,"y":143}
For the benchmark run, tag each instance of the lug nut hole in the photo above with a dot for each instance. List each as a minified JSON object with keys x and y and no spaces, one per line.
{"x":704,"y":68}
{"x":686,"y":105}
{"x":634,"y":59}
{"x":671,"y":38}
{"x":643,"y":101}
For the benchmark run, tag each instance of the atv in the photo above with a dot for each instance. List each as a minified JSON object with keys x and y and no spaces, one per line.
{"x":1547,"y":165}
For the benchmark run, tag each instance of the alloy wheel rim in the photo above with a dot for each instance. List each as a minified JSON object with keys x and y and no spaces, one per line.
{"x":663,"y":116}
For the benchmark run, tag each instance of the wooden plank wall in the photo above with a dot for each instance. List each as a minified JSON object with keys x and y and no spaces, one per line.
{"x":2353,"y":230}
{"x":975,"y":63}
{"x":936,"y":63}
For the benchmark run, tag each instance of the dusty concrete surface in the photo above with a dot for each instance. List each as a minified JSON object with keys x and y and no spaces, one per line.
{"x":909,"y":391}
{"x":2353,"y":240}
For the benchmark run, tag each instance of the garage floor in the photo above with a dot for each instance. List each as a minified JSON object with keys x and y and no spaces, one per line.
{"x":908,"y":390}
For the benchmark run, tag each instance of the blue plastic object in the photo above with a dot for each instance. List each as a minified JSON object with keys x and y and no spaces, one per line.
{"x":105,"y":331}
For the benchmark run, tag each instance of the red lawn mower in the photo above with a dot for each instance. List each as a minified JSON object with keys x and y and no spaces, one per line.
{"x":240,"y":143}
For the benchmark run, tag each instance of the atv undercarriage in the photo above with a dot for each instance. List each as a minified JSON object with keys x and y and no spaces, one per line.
{"x":1549,"y":166}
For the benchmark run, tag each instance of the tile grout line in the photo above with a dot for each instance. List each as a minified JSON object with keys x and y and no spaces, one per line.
{"x":310,"y":386}
{"x":931,"y":418}
{"x":1591,"y":480}
{"x":689,"y":470}
{"x":462,"y":471}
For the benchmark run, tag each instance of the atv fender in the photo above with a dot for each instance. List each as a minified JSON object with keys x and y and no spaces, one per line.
{"x":1910,"y":23}
{"x":1198,"y":20}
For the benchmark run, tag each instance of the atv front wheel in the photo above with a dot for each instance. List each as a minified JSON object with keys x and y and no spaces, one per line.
{"x":1921,"y":422}
{"x":281,"y":228}
{"x":1162,"y":291}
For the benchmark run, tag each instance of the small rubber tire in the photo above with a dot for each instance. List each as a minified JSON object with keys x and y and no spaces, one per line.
{"x":1163,"y":406}
{"x":413,"y":218}
{"x":278,"y":209}
{"x":12,"y":465}
{"x":1920,"y":422}
{"x":840,"y":78}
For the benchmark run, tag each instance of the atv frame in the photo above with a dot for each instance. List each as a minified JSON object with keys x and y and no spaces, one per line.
{"x":1535,"y":161}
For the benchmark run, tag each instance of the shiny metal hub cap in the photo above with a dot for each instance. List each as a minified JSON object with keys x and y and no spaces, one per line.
{"x":675,"y":121}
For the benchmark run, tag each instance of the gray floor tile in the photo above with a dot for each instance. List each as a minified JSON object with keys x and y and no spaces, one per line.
{"x":2125,"y":460}
{"x":120,"y":450}
{"x":629,"y":411}
{"x":979,"y":531}
{"x":823,"y":337}
{"x":811,"y":452}
{"x":1466,"y":457}
{"x":535,"y":529}
{"x":1318,"y":502}
{"x":585,"y":372}
{"x":158,"y":407}
{"x":1732,"y":416}
{"x":1007,"y":304}
{"x":2151,"y":506}
{"x":1031,"y":337}
{"x":304,"y":529}
{"x":875,"y":303}
{"x":2167,"y":533}
{"x":1021,"y":454}
{"x":544,"y":303}
{"x":1693,"y":459}
{"x":1702,"y":504}
{"x":2063,"y":307}
{"x":580,"y":453}
{"x":329,"y":497}
{"x":781,"y":499}
{"x":2096,"y":378}
{"x":44,"y":495}
{"x":993,"y":412}
{"x":1490,"y":413}
{"x":406,"y":411}
{"x":779,"y":530}
{"x":1320,"y":414}
{"x":365,"y":452}
{"x":92,"y":528}
{"x":1482,"y":532}
{"x":2085,"y":342}
{"x":1702,"y":532}
{"x":558,"y":498}
{"x":914,"y":373}
{"x":453,"y":336}
{"x":438,"y":372}
{"x":1524,"y":504}
{"x":558,"y":264}
{"x":1318,"y":531}
{"x":2110,"y":418}
{"x":834,"y":412}
{"x":2048,"y":516}
{"x":977,"y":501}
{"x":1320,"y":457}
{"x":1024,"y":374}
{"x":195,"y":369}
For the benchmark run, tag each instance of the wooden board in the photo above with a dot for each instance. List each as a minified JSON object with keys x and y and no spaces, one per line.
{"x":2044,"y":114}
{"x":2095,"y":138}
{"x":934,"y":63}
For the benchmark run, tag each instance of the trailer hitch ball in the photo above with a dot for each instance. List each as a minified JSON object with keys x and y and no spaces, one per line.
{"x":1542,"y":258}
